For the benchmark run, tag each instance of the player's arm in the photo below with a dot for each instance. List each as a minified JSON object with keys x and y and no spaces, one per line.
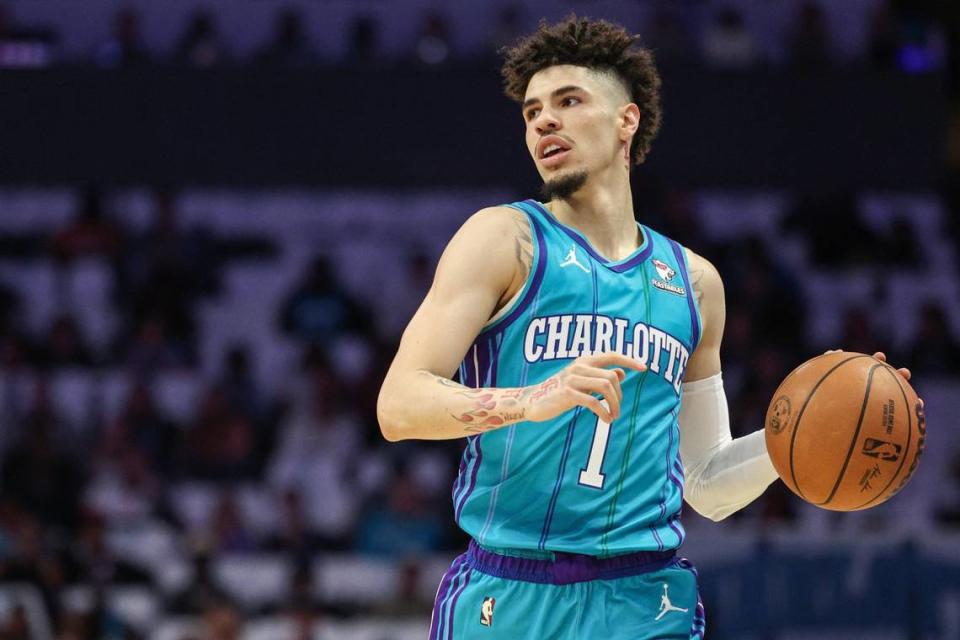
{"x":723,"y":474}
{"x":485,"y":264}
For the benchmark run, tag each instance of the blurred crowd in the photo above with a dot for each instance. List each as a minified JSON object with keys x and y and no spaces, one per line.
{"x":313,"y":446}
{"x":901,"y":34}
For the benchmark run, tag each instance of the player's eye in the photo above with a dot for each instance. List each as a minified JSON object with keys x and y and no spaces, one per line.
{"x":570,"y":100}
{"x":532,"y":113}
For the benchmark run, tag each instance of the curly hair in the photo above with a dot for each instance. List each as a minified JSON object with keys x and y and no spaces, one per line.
{"x":595,"y":44}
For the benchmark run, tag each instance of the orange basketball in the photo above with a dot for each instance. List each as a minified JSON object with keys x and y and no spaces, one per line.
{"x":845,"y":431}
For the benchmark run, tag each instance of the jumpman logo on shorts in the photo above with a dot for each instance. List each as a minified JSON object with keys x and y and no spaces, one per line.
{"x":666,"y":606}
{"x":572,"y":259}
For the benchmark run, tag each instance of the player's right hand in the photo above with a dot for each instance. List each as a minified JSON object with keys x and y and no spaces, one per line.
{"x":592,"y":382}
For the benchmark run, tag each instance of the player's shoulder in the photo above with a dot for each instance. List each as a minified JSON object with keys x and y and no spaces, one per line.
{"x":496,"y":219}
{"x":707,"y":288}
{"x":702,"y":269}
{"x":493,"y":227}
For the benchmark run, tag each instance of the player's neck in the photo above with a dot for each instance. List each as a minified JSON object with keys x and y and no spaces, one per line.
{"x":603,"y":211}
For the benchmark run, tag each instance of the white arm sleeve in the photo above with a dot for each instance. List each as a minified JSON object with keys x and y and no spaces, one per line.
{"x":723,"y":475}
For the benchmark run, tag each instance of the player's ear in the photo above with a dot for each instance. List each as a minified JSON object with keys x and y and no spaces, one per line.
{"x":629,"y":121}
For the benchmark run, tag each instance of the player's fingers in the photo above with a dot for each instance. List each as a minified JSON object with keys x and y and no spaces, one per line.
{"x":905,"y":373}
{"x":881,"y":356}
{"x":609,"y":390}
{"x":614,"y":359}
{"x":829,"y":351}
{"x":593,"y":404}
{"x":621,"y":374}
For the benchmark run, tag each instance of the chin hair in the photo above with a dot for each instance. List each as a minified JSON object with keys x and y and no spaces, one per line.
{"x":562,"y":187}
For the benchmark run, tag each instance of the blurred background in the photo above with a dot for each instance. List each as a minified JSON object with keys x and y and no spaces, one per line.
{"x":216,"y":218}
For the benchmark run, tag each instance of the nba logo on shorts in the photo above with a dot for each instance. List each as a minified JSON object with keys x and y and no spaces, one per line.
{"x":486,"y":612}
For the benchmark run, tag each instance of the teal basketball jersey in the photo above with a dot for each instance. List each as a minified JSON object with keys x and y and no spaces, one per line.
{"x":574,"y":483}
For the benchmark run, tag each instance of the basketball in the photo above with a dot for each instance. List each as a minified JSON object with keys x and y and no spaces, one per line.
{"x":845,"y":431}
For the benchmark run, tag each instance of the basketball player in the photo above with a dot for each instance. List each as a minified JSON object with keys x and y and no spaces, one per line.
{"x":582,"y":331}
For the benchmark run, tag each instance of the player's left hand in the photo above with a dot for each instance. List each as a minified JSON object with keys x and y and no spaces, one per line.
{"x":882,"y":357}
{"x":903,"y":371}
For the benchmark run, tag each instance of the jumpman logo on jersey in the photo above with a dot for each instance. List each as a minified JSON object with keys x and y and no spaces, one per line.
{"x":666,"y":606}
{"x":572,"y":259}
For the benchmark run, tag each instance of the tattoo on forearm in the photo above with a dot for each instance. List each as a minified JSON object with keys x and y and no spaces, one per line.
{"x":488,"y":408}
{"x":695,"y":277}
{"x":543,"y":389}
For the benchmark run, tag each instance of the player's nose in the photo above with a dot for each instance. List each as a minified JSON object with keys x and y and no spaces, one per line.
{"x":546,"y":122}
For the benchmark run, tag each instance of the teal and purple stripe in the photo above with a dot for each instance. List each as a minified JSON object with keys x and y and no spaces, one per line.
{"x":566,"y":568}
{"x":699,"y":627}
{"x":694,"y":319}
{"x":540,"y":260}
{"x":633,"y":261}
{"x":548,"y":520}
{"x":453,"y":584}
{"x":479,"y":369}
{"x":671,"y":461}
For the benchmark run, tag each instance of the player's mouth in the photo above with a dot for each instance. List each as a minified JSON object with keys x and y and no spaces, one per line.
{"x":552,"y":150}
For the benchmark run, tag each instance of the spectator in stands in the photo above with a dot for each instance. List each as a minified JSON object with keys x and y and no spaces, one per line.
{"x":92,"y":563}
{"x":834,"y":234}
{"x":397,"y":304}
{"x":6,"y":21}
{"x":433,"y":42}
{"x":317,"y":455}
{"x":319,"y":310}
{"x":507,"y":29}
{"x":403,"y":524}
{"x":91,"y":232}
{"x":935,"y":349}
{"x":122,"y":487}
{"x":948,"y":512}
{"x":884,"y":37}
{"x":669,"y":35}
{"x":166,"y":271}
{"x":201,"y":45}
{"x":201,"y":592}
{"x":923,"y":45}
{"x":15,"y":626}
{"x":34,"y":560}
{"x":728,"y":43}
{"x":222,"y":622}
{"x":859,"y":333}
{"x":239,"y":385}
{"x":37,"y":473}
{"x":221,"y":444}
{"x":15,"y":347}
{"x":125,"y":47}
{"x":364,"y":40}
{"x":291,"y":46}
{"x":64,"y":346}
{"x":901,"y":248}
{"x":228,"y":533}
{"x":292,"y":534}
{"x":141,"y":425}
{"x":810,"y":44}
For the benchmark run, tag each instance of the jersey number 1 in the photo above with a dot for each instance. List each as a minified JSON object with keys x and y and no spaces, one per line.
{"x":591,"y":475}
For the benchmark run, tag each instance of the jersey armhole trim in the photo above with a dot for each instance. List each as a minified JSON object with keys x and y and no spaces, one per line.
{"x":532,"y":285}
{"x":695,"y":320}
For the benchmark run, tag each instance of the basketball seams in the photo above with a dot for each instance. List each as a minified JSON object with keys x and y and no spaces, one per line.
{"x":856,"y":436}
{"x":919,"y":452}
{"x":796,"y":427}
{"x":896,"y":376}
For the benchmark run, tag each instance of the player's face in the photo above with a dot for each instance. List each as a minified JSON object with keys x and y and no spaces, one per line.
{"x":574,"y":121}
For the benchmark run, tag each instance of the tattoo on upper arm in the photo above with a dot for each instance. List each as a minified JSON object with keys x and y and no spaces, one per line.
{"x":696,"y":276}
{"x":523,"y":244}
